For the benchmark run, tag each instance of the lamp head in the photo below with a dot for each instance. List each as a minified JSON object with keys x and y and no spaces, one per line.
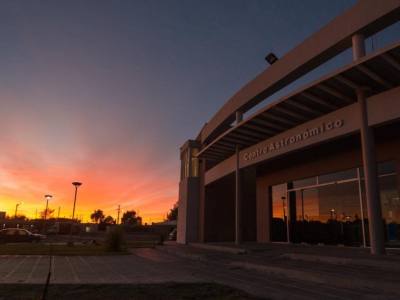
{"x":48,"y":197}
{"x":271,"y":58}
{"x":76,"y":183}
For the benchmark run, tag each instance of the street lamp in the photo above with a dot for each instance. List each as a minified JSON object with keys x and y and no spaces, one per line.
{"x":271,"y":58}
{"x":76,"y":184}
{"x":47,"y":197}
{"x":16,"y":209}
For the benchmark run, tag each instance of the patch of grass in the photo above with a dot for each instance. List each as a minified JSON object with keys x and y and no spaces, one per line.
{"x":124,"y":291}
{"x":43,"y":249}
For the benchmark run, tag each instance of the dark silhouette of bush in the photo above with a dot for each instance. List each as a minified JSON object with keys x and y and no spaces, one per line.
{"x":115,"y":240}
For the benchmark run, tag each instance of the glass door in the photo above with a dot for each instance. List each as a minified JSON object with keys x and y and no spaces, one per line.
{"x":279,"y":232}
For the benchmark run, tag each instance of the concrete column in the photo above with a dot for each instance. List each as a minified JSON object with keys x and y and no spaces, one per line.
{"x":238,"y":217}
{"x":202,"y":207}
{"x":358,"y":46}
{"x":189,"y":157}
{"x":239,"y":117}
{"x":376,"y":229}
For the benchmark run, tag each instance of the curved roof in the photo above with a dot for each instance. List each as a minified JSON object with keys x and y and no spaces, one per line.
{"x":378,"y":71}
{"x":367,"y":17}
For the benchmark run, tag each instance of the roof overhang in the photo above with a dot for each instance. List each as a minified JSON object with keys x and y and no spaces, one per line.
{"x":366,"y":17}
{"x":377,"y":72}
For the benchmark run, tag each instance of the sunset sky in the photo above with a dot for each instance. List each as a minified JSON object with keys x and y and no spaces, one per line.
{"x":105,"y":92}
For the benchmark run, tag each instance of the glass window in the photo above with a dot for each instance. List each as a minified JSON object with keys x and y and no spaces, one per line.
{"x":328,"y":214}
{"x":195,"y":167}
{"x":384,"y":168}
{"x":390,"y":203}
{"x":279,"y":201}
{"x":387,"y":167}
{"x":307,"y":205}
{"x":338,"y":176}
{"x":195,"y":163}
{"x":279,"y":212}
{"x":187,"y":159}
{"x":304,"y":182}
{"x":340,"y":202}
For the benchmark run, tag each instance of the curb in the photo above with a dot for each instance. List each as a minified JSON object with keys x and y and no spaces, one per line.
{"x":225,"y":249}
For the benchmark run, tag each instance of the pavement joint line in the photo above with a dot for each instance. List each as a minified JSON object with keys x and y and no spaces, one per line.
{"x":34,"y":267}
{"x":6,"y":259}
{"x":53,"y":265}
{"x":110,"y":269}
{"x":75,"y":275}
{"x":14,"y":269}
{"x":83,"y":260}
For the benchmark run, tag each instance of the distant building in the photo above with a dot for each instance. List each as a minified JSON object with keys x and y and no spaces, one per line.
{"x":2,"y":215}
{"x":319,"y":165}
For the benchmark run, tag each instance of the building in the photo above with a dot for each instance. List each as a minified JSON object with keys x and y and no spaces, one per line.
{"x":319,"y":165}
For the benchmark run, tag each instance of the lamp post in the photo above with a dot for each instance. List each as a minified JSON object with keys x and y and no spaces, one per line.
{"x":76,"y":184}
{"x":16,"y":209}
{"x":47,"y":197}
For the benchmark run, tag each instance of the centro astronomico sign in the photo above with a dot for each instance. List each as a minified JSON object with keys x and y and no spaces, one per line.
{"x":293,"y":139}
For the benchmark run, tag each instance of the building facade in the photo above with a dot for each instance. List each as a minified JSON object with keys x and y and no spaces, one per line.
{"x":319,"y":165}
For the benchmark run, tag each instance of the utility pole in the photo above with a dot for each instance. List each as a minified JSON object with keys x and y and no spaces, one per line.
{"x":119,"y":211}
{"x":58,"y":214}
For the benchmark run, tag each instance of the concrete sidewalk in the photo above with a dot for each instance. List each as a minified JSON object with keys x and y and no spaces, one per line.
{"x":258,"y":273}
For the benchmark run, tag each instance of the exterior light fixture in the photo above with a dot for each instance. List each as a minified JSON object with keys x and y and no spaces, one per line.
{"x":16,"y":209}
{"x":271,"y":58}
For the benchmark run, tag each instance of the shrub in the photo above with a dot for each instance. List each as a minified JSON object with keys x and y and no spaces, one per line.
{"x":115,"y":240}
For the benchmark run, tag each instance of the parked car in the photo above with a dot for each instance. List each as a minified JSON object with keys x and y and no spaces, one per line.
{"x":172,"y":235}
{"x":18,"y":235}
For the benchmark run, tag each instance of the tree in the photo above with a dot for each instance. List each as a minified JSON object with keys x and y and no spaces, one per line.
{"x":173,"y":213}
{"x":97,"y":216}
{"x":131,"y":218}
{"x":109,"y":220}
{"x":48,"y":214}
{"x":17,"y":218}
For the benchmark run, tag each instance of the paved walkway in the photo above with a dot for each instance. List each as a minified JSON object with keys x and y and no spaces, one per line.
{"x":260,"y":273}
{"x":144,"y":266}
